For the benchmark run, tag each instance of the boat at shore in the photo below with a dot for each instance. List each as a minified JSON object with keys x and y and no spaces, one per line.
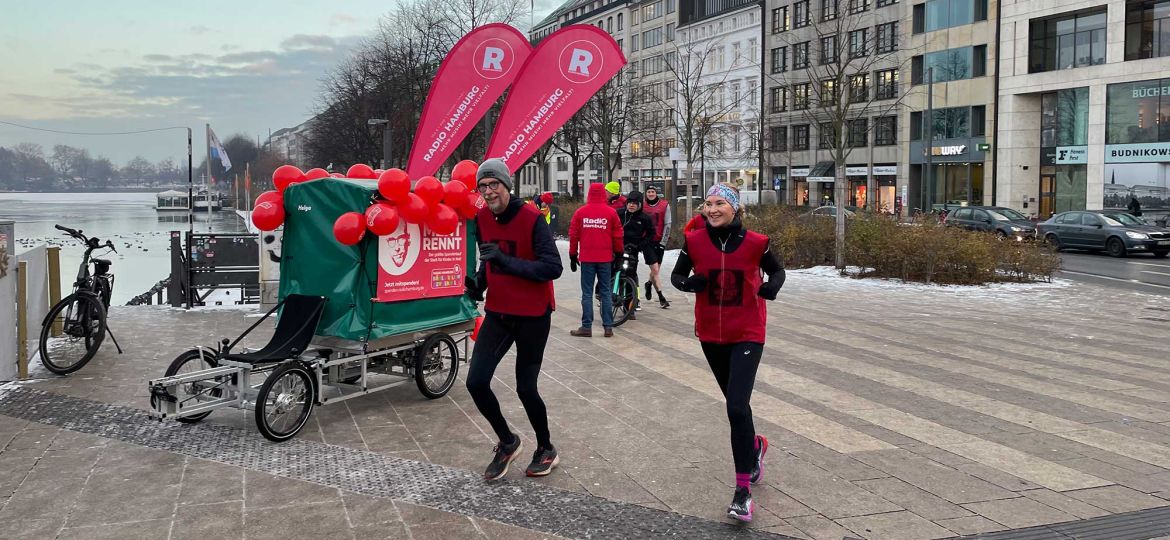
{"x":172,"y":201}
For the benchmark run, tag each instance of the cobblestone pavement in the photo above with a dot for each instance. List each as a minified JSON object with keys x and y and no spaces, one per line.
{"x":894,"y":411}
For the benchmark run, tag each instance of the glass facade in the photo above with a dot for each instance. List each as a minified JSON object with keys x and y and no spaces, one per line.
{"x":1067,"y":41}
{"x":1064,"y":118}
{"x":949,"y":65}
{"x":940,"y":14}
{"x":1147,"y":29}
{"x":1138,"y":112}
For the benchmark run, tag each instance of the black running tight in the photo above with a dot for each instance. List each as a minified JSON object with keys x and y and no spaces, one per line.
{"x":496,"y":336}
{"x":734,"y":366}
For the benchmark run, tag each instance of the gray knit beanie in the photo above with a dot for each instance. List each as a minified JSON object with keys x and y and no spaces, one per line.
{"x":494,"y":168}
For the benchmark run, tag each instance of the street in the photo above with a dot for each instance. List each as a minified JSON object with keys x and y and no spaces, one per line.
{"x":1141,"y":272}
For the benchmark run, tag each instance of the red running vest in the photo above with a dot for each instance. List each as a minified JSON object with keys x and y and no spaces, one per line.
{"x":729,"y":310}
{"x":657,"y":213}
{"x":508,"y":294}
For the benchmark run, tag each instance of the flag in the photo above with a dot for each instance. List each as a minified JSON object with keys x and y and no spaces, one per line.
{"x":216,"y":150}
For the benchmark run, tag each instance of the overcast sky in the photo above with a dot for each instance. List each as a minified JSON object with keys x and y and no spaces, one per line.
{"x":123,"y":65}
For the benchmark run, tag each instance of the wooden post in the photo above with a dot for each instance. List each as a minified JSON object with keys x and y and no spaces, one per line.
{"x":22,"y":320}
{"x":54,"y":260}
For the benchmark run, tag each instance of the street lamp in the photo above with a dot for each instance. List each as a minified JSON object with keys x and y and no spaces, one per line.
{"x":385,"y":138}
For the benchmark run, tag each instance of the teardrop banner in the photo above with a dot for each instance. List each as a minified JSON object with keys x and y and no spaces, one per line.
{"x":471,"y":78}
{"x":565,"y":70}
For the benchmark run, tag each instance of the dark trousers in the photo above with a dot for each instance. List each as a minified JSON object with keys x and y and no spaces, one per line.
{"x":496,"y":335}
{"x":734,"y":366}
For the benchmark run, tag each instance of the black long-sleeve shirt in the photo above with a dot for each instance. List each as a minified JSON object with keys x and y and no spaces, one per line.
{"x":728,"y":238}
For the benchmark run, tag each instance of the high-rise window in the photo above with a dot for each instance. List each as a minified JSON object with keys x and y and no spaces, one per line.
{"x":938,"y":14}
{"x":950,"y":65}
{"x":887,"y":84}
{"x":828,"y":93}
{"x":949,"y":123}
{"x":800,"y":137}
{"x":858,"y":133}
{"x":859,"y":43}
{"x":887,"y":37}
{"x":779,"y":98}
{"x":780,"y":138}
{"x":826,"y":136}
{"x":885,"y":131}
{"x":884,"y":3}
{"x":800,"y":94}
{"x":780,"y":22}
{"x":800,"y":14}
{"x":829,"y":50}
{"x":859,"y":88}
{"x":800,"y":55}
{"x":858,"y":6}
{"x":828,"y":10}
{"x":1147,"y":29}
{"x":619,"y":21}
{"x":779,"y":59}
{"x":1067,"y":41}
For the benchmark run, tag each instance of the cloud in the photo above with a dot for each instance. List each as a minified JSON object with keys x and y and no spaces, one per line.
{"x":157,"y":57}
{"x":342,"y":18}
{"x":304,"y":41}
{"x":199,"y":30}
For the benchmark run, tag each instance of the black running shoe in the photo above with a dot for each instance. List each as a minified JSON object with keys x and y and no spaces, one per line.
{"x":741,"y":506}
{"x":505,"y":453}
{"x":648,"y":285}
{"x":543,"y":462}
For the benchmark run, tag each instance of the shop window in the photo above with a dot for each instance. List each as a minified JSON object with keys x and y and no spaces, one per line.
{"x":1138,"y":112}
{"x":800,"y":137}
{"x":1064,"y":118}
{"x":1067,"y":41}
{"x":1147,"y":29}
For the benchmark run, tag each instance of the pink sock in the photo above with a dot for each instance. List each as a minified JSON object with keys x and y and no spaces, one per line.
{"x":743,"y":480}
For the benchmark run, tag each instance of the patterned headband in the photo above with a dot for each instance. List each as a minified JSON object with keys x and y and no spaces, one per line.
{"x":721,"y":190}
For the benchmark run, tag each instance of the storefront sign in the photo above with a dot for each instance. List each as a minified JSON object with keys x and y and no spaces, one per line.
{"x":1064,"y":155}
{"x":414,"y":262}
{"x":800,"y":172}
{"x":820,"y":179}
{"x":955,"y":150}
{"x":885,"y":170}
{"x":856,"y":171}
{"x":1137,"y":153}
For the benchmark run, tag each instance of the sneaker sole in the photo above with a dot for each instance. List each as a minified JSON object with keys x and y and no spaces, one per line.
{"x":507,"y":464}
{"x":746,"y":519}
{"x":556,"y":461}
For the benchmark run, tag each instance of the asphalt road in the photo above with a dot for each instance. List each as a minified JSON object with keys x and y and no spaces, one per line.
{"x":1136,"y":272}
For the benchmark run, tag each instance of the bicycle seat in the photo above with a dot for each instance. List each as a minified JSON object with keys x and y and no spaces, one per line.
{"x":101,"y":261}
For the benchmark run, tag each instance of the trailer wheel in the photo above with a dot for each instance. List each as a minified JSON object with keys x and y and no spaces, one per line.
{"x":436,"y":364}
{"x":284,"y":402}
{"x":189,"y":362}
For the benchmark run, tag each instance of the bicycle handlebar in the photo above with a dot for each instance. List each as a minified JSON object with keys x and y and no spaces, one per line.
{"x":72,"y":232}
{"x":110,"y":245}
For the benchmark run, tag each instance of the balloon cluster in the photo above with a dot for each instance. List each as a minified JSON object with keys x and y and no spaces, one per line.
{"x":432,"y":203}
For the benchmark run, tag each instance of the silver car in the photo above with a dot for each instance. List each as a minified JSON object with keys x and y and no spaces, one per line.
{"x":1118,"y":234}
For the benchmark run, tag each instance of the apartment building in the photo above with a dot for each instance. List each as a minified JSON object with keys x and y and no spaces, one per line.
{"x":815,"y":50}
{"x":1084,"y":120}
{"x":724,"y":36}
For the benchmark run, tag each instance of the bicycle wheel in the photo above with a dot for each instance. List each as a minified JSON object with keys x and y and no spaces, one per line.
{"x":436,"y":364}
{"x":83,"y":321}
{"x":190,"y":362}
{"x":284,"y":402}
{"x":624,"y":300}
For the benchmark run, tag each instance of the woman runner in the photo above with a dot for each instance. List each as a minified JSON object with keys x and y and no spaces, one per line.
{"x":730,"y":321}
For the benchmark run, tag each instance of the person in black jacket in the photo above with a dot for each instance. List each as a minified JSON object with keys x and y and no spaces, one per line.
{"x":638,"y":230}
{"x":518,"y":263}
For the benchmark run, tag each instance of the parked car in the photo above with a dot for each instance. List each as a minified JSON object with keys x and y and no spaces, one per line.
{"x":828,"y":212}
{"x":1118,"y":234}
{"x":1005,"y":222}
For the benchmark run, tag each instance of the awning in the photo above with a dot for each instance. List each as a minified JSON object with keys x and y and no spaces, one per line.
{"x":822,"y":172}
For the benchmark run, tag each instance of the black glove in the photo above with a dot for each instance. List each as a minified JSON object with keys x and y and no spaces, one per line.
{"x":489,"y":251}
{"x":695,"y":284}
{"x":473,"y":288}
{"x":573,"y":263}
{"x":769,"y":290}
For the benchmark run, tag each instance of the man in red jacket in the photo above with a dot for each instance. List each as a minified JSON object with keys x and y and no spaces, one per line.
{"x":595,"y":239}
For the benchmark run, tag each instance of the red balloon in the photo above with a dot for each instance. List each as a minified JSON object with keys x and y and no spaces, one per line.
{"x":360,"y":170}
{"x":414,"y":210}
{"x":382,"y":218}
{"x":313,"y":174}
{"x":444,"y":220}
{"x":267,"y":215}
{"x":349,"y":228}
{"x":464,"y":172}
{"x":430,"y":189}
{"x":394,"y":185}
{"x":455,"y":194}
{"x":471,"y":207}
{"x":273,"y":196}
{"x":286,"y":175}
{"x":337,"y":175}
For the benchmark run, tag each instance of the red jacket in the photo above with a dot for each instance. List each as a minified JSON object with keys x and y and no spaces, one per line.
{"x":595,"y":229}
{"x":617,"y":202}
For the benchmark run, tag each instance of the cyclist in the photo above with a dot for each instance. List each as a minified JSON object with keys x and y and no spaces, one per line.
{"x":595,"y":241}
{"x":730,"y":321}
{"x":518,"y":263}
{"x":659,"y":212}
{"x":638,"y":231}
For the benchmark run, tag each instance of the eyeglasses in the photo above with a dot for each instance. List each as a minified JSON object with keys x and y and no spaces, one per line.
{"x":489,"y":186}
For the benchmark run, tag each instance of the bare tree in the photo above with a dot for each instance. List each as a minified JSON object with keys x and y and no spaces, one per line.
{"x":573,"y":140}
{"x":611,"y":117}
{"x":834,"y":89}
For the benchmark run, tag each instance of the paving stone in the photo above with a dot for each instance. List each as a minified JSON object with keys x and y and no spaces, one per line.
{"x":933,"y":477}
{"x":209,"y":482}
{"x":320,"y":520}
{"x":894,"y":526}
{"x":158,"y":528}
{"x":819,"y":527}
{"x":266,"y":491}
{"x":970,"y":525}
{"x":1116,"y":498}
{"x":913,"y":499}
{"x":1064,"y":503}
{"x":1019,"y":512}
{"x":365,"y":510}
{"x":202,"y":521}
{"x":32,"y":529}
{"x":113,"y":497}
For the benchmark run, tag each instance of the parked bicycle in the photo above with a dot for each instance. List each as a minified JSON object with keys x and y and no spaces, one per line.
{"x":79,"y":318}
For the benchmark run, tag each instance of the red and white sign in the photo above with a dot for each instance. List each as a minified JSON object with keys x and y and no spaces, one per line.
{"x":416,"y":263}
{"x":471,"y":78}
{"x":565,"y":70}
